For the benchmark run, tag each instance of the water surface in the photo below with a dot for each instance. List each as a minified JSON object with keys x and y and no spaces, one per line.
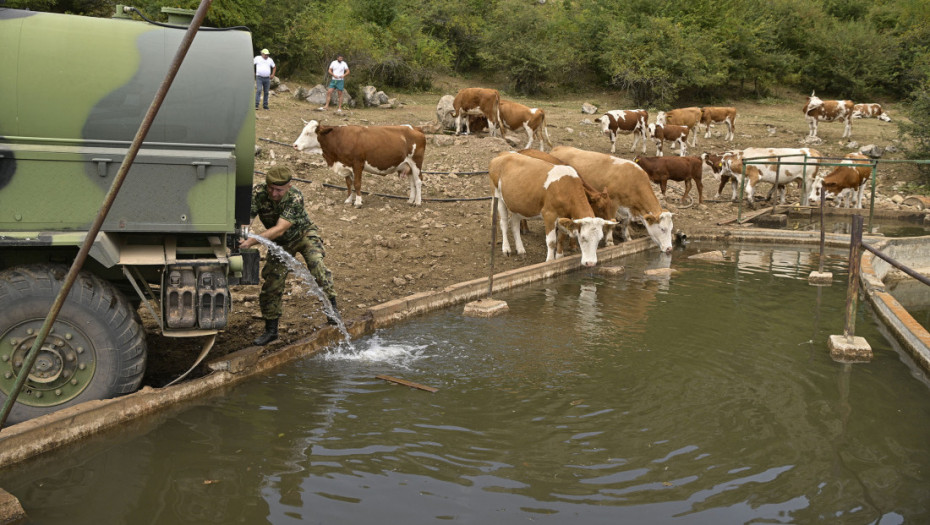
{"x":709,"y":398}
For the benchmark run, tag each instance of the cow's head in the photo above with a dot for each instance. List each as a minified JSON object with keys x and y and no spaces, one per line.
{"x":659,"y":229}
{"x":651,"y":129}
{"x":661,"y":118}
{"x":588,"y":231}
{"x":813,"y":102}
{"x":605,"y":121}
{"x":814,"y":196}
{"x":308,"y":140}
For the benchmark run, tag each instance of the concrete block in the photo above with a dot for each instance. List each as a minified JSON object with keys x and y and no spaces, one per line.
{"x":852,"y":349}
{"x":820,"y":277}
{"x":714,"y":255}
{"x":10,"y":509}
{"x":485,"y":308}
{"x":611,"y":270}
{"x":659,"y":272}
{"x":776,"y":221}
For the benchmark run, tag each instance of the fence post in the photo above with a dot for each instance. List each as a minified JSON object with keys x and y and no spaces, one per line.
{"x":488,"y":307}
{"x":852,"y":291}
{"x":493,"y":243}
{"x":848,"y":347}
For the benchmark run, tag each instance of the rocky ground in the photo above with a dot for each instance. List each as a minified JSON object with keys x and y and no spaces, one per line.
{"x":388,"y":249}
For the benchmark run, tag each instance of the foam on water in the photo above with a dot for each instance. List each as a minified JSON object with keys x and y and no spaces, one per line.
{"x":375,"y":350}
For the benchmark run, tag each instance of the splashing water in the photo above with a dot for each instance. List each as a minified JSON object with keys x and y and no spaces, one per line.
{"x":301,"y":271}
{"x":400,"y":355}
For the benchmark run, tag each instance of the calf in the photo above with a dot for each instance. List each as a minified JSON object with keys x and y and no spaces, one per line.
{"x":477,"y":101}
{"x":624,"y":121}
{"x":628,"y":186}
{"x":689,"y":117}
{"x":661,"y":170}
{"x":780,"y":167}
{"x":726,"y":115}
{"x":529,"y":187}
{"x":672,"y":133}
{"x":816,"y":110}
{"x":516,"y":116}
{"x":350,"y":150}
{"x":870,"y":111}
{"x":716,"y":162}
{"x":844,"y":181}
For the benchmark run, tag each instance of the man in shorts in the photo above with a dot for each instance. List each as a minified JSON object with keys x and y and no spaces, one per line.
{"x":338,"y":71}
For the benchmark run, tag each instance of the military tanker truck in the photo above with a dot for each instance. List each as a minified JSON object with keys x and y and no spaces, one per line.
{"x":73,"y":93}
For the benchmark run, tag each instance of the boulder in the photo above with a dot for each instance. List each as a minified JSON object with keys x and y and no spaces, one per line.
{"x":444,"y":112}
{"x":317,"y":97}
{"x":588,"y":109}
{"x":872,"y":151}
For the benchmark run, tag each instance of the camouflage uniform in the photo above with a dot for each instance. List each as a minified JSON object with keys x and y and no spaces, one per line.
{"x":302,"y":237}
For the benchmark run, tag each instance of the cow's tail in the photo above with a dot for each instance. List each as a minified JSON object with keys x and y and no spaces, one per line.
{"x":543,"y":131}
{"x":497,"y":114}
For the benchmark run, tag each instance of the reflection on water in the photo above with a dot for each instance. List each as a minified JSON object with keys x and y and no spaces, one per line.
{"x":842,"y":225}
{"x":704,"y":397}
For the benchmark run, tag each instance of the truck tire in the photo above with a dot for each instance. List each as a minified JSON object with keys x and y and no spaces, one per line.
{"x":95,"y":350}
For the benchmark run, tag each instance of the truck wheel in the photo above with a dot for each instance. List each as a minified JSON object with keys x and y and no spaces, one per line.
{"x":95,"y":350}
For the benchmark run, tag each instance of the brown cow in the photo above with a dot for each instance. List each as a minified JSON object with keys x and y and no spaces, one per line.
{"x":350,"y":150}
{"x":529,"y":187}
{"x":661,"y":170}
{"x":870,"y":111}
{"x":477,"y":101}
{"x":672,"y":133}
{"x":844,"y":181}
{"x":516,"y":116}
{"x":628,"y":186}
{"x":727,"y":115}
{"x":689,"y":117}
{"x":816,"y":110}
{"x":624,"y":121}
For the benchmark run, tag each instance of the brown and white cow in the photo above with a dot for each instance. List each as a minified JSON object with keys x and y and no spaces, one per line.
{"x":727,"y":115}
{"x":777,"y":166}
{"x":601,"y":203}
{"x":663,"y":169}
{"x":844,"y":181}
{"x":625,"y":121}
{"x":689,"y":117}
{"x":816,"y":110}
{"x":528,"y":187}
{"x":715,"y":161}
{"x":477,"y":101}
{"x":350,"y":150}
{"x":672,"y":133}
{"x":628,"y":186}
{"x":870,"y":111}
{"x":516,"y":116}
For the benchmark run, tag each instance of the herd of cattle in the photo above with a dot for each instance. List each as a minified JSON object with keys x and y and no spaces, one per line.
{"x":581,"y":194}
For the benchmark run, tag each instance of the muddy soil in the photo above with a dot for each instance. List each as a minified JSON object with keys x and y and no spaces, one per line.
{"x":388,"y":249}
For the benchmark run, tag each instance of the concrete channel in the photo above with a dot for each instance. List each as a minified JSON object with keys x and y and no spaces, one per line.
{"x":37,"y":436}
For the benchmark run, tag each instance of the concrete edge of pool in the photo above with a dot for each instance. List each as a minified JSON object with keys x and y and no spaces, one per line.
{"x":37,"y":436}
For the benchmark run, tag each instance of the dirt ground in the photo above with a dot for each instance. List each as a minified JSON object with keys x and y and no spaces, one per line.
{"x":388,"y":249}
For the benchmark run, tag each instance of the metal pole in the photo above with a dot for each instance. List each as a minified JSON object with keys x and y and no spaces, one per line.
{"x":493,"y":243}
{"x":872,"y":199}
{"x":804,"y":199}
{"x":852,"y":291}
{"x":775,"y":201}
{"x":104,"y":209}
{"x":823,"y":234}
{"x":742,"y":186}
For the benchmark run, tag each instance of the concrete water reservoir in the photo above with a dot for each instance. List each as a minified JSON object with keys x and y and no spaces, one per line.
{"x":707,"y":396}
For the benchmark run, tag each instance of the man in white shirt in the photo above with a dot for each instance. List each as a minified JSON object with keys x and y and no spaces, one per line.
{"x":338,"y":71}
{"x":264,"y":70}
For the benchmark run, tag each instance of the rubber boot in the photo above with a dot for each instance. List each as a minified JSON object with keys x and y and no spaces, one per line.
{"x":332,"y":320}
{"x":271,"y":333}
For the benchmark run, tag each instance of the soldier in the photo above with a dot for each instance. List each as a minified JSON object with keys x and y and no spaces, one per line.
{"x":281,"y":210}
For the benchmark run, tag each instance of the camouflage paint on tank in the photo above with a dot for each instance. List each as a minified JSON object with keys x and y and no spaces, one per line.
{"x":63,"y":122}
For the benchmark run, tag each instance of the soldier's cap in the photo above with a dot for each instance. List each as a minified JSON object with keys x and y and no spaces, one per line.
{"x":265,"y":52}
{"x":278,"y":175}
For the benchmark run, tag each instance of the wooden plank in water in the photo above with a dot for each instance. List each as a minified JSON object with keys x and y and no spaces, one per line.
{"x":747,"y":217}
{"x":406,"y":383}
